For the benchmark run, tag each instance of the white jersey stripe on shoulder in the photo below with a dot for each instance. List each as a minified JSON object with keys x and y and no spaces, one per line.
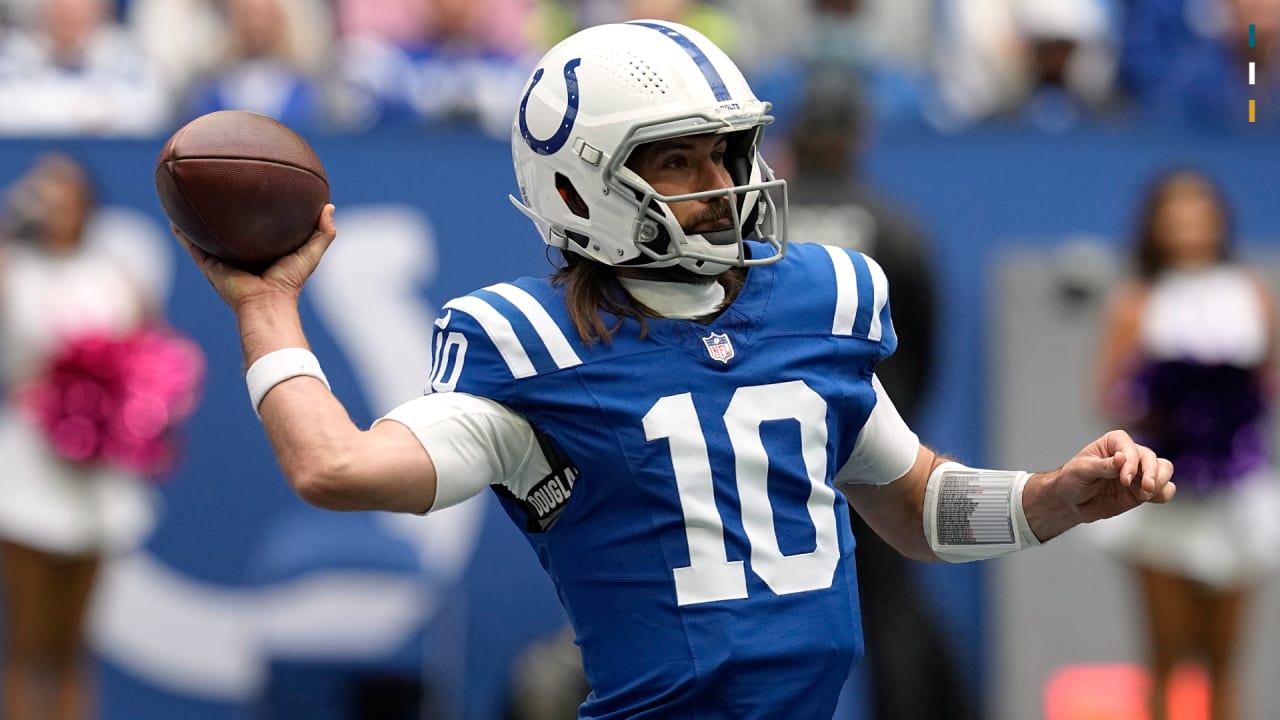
{"x":499,"y":331}
{"x":557,"y":344}
{"x":880,"y":287}
{"x":846,"y":292}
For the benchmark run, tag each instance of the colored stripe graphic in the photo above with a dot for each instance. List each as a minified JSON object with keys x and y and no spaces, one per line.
{"x":500,"y":333}
{"x":550,"y":334}
{"x":846,"y":311}
{"x":700,"y":58}
{"x":1253,"y":37}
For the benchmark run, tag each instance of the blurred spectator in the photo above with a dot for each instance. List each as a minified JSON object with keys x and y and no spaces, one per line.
{"x":831,"y":203}
{"x":707,"y":18}
{"x":892,"y":32}
{"x":770,"y":32}
{"x":851,"y":32}
{"x":1187,"y":363}
{"x":979,"y":65}
{"x":1043,"y":61}
{"x":1071,"y":59}
{"x":1187,"y":61}
{"x":550,"y":22}
{"x":856,"y":35}
{"x":20,"y":13}
{"x":78,"y":72}
{"x":265,"y":69}
{"x":183,"y":38}
{"x":404,"y":22}
{"x":399,"y":22}
{"x":458,"y":67}
{"x":841,"y":33}
{"x":85,"y":372}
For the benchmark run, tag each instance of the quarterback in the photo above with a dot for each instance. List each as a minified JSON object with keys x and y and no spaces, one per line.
{"x":679,"y":416}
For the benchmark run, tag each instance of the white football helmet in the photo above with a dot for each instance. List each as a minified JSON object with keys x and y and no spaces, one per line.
{"x":602,"y":92}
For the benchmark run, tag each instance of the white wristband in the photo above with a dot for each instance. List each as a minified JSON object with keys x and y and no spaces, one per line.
{"x":277,"y":366}
{"x":973,"y":514}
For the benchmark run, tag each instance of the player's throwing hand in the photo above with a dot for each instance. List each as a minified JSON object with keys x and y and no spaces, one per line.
{"x":285,"y":276}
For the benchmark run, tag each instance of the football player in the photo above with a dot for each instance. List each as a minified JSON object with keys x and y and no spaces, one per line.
{"x":679,"y":415}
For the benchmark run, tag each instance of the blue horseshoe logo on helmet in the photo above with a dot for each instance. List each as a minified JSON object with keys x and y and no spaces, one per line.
{"x":552,"y":144}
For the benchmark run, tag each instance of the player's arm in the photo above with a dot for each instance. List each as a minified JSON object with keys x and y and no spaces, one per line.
{"x":328,"y":460}
{"x":333,"y":464}
{"x":895,"y":510}
{"x":429,"y":453}
{"x":939,"y":509}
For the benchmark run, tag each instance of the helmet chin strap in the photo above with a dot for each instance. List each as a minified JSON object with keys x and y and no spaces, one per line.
{"x":727,"y":236}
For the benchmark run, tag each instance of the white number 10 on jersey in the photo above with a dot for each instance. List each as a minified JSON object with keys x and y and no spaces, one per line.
{"x":710,"y":575}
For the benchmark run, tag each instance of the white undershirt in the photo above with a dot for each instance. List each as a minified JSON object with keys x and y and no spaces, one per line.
{"x":681,"y":301}
{"x":475,"y":442}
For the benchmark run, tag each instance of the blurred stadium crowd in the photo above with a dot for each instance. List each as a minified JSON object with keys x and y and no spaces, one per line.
{"x":143,"y":67}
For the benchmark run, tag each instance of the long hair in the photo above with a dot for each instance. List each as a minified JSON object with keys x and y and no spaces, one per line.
{"x":1149,"y":256}
{"x":592,"y":291}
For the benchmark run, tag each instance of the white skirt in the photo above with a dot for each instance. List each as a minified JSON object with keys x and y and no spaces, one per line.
{"x":58,"y":507}
{"x":1229,"y":538}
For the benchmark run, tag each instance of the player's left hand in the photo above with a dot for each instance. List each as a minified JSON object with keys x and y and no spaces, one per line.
{"x":1111,"y":475}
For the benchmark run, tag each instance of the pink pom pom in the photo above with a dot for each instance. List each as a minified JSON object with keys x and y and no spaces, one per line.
{"x":118,"y":400}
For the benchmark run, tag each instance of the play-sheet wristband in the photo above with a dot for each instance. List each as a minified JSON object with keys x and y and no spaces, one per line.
{"x":277,"y":366}
{"x":973,"y":514}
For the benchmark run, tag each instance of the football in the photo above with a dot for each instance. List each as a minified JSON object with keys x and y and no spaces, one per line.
{"x":241,"y":186}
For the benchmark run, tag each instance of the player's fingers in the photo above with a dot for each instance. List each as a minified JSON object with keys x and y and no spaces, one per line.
{"x":182,"y":240}
{"x":213,"y":269}
{"x":1119,"y":438}
{"x":204,"y":260}
{"x":1117,"y":462}
{"x":1166,"y":493}
{"x":1146,"y":481}
{"x":1163,"y":480}
{"x":293,"y":269}
{"x":326,"y":231}
{"x":326,"y":223}
{"x":1117,"y":442}
{"x":1100,"y":468}
{"x":1132,"y":463}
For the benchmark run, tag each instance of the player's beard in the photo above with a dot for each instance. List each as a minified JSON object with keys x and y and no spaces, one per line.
{"x":710,"y":220}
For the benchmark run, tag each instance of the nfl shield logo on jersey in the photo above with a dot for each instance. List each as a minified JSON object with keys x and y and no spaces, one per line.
{"x":719,"y":347}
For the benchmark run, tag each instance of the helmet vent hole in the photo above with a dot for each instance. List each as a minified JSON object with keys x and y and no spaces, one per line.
{"x":633,"y":74}
{"x":572,"y":199}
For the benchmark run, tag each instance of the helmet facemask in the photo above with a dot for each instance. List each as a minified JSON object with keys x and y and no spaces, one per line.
{"x":757,"y":204}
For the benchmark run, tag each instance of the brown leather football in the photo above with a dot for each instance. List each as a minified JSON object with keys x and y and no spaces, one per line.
{"x":241,"y":186}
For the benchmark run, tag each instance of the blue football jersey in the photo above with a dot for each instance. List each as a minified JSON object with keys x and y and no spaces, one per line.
{"x":691,"y":528}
